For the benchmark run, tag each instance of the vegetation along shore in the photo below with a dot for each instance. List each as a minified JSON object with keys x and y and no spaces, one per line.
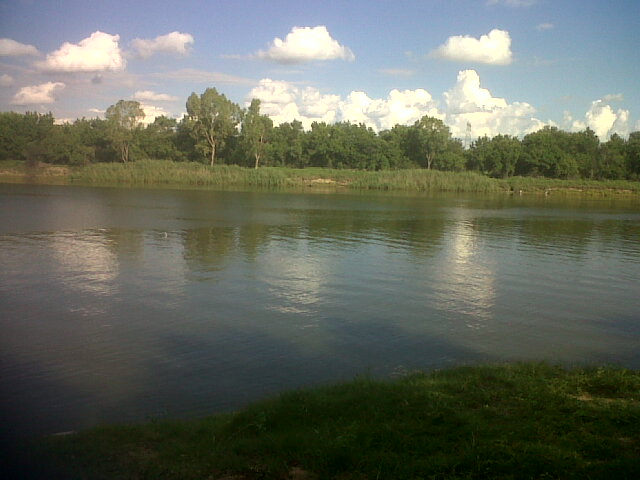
{"x":527,"y":420}
{"x":196,"y":175}
{"x":232,"y":140}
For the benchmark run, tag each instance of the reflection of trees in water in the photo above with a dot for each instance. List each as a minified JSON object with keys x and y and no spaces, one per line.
{"x":208,"y":248}
{"x":124,"y":242}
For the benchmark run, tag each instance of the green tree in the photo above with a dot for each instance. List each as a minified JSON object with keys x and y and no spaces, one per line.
{"x":547,"y":152}
{"x":123,"y":119}
{"x":431,"y":136}
{"x":20,"y":133}
{"x":159,"y":139}
{"x":211,"y":118}
{"x":286,"y":145}
{"x":585,"y":149}
{"x":256,"y":130}
{"x":402,"y":148}
{"x":633,"y":156}
{"x":496,"y":157}
{"x":612,"y":163}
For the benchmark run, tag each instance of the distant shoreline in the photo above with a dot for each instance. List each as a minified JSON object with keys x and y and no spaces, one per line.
{"x":188,"y":174}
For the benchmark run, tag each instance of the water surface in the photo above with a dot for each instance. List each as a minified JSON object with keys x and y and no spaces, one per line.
{"x":121,"y":305}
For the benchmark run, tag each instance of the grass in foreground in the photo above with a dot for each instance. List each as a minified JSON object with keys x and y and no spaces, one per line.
{"x":509,"y":421}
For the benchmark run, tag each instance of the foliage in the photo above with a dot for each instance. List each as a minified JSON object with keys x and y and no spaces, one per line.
{"x":256,"y":131}
{"x":431,"y":137}
{"x":211,"y":118}
{"x":123,"y":119}
{"x":214,"y":127}
{"x":496,"y":157}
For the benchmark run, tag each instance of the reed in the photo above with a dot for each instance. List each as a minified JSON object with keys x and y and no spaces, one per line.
{"x":190,"y":174}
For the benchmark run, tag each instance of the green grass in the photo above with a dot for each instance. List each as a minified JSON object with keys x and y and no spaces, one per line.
{"x":197,"y":175}
{"x":517,"y":421}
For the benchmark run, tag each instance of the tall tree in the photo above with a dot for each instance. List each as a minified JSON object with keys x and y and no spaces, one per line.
{"x":432,"y":137}
{"x":123,"y":118}
{"x":286,"y":145}
{"x":612,"y":162}
{"x":546,"y":152}
{"x":255,"y":131}
{"x":212,"y":118}
{"x":496,"y":157}
{"x":633,"y":156}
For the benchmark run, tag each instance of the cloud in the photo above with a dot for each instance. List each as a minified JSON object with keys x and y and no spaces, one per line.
{"x":305,"y":44}
{"x":175,"y":42}
{"x":604,"y":121}
{"x":613,"y":97}
{"x":493,"y":48}
{"x":400,"y":107}
{"x":285,"y":102}
{"x":37,"y":94}
{"x":6,"y":80}
{"x":151,"y":112}
{"x":149,"y":96}
{"x":468,"y":97}
{"x":99,"y":52}
{"x":544,"y":26}
{"x":468,"y":103}
{"x":11,"y":48}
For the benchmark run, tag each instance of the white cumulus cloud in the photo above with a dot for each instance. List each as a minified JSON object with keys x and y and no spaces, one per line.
{"x":493,"y":48}
{"x":99,"y":52}
{"x":468,"y":103}
{"x":604,"y":121}
{"x":285,"y":102}
{"x":151,"y":112}
{"x":37,"y":94}
{"x":6,"y":80}
{"x":11,"y":48}
{"x":175,"y":42}
{"x":465,"y":103}
{"x":305,"y":44}
{"x":150,"y":96}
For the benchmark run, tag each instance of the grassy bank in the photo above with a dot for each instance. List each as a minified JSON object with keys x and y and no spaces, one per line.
{"x":509,"y":421}
{"x":166,"y":173}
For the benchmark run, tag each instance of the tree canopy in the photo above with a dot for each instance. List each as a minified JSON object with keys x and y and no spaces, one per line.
{"x":215,"y":129}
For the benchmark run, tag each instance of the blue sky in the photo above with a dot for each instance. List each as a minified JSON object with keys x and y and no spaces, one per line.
{"x":500,"y":66}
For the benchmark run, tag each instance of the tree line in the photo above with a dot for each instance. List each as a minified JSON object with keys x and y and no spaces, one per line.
{"x":216,"y":130}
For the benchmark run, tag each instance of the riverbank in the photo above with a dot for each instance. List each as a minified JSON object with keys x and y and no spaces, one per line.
{"x":196,"y":175}
{"x":508,"y":421}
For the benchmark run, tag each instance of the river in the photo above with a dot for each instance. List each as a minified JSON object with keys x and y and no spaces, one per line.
{"x":125,"y":305}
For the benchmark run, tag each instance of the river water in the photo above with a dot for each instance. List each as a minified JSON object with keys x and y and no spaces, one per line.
{"x":125,"y":305}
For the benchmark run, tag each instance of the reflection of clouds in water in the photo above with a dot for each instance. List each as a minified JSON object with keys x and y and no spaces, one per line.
{"x":295,"y":281}
{"x":85,"y":261}
{"x":116,"y":286}
{"x":165,"y":269}
{"x":464,"y":282}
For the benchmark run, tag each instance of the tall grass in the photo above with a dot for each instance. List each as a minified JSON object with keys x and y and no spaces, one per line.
{"x":155,"y":172}
{"x":189,"y":174}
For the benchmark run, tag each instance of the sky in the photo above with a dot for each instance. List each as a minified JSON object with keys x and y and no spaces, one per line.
{"x":485,"y":67}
